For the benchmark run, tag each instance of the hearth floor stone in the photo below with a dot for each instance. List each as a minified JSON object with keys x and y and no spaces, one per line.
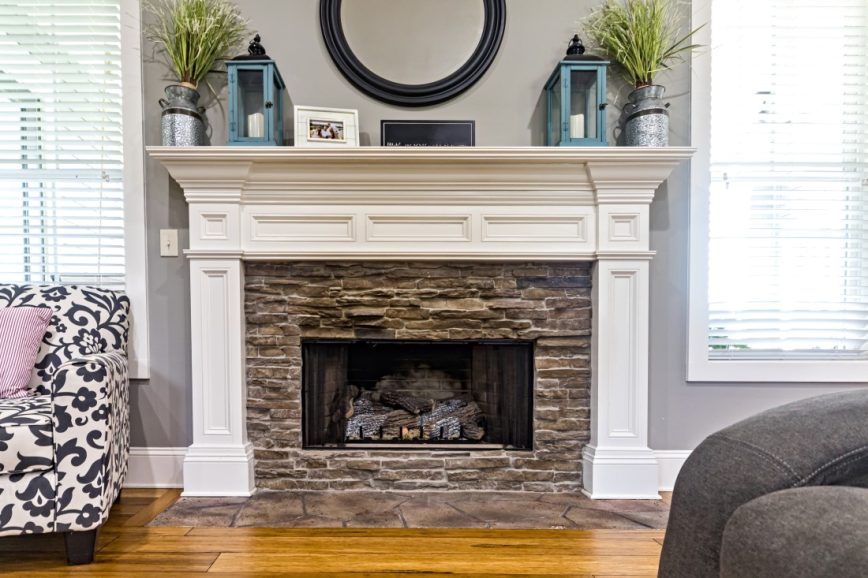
{"x":289,"y":509}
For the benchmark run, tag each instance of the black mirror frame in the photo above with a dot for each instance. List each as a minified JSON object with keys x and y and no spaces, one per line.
{"x":411,"y":95}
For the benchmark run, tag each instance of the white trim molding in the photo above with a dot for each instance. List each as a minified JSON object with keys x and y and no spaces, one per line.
{"x":699,"y":367}
{"x":135,"y":241}
{"x":669,"y":463}
{"x":372,"y":203}
{"x":155,"y":468}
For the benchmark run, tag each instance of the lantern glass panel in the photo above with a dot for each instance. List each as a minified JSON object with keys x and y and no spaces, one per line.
{"x":583,"y":104}
{"x":251,"y":105}
{"x":556,"y":112}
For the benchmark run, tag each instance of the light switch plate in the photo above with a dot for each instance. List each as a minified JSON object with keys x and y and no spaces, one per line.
{"x":168,"y":242}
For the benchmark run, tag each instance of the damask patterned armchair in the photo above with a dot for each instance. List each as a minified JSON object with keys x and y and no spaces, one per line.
{"x":63,"y":451}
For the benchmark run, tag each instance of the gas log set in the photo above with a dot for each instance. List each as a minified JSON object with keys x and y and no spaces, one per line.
{"x":395,"y":416}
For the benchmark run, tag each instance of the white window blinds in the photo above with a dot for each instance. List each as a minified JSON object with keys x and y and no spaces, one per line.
{"x":61,"y":149}
{"x":788,"y":228}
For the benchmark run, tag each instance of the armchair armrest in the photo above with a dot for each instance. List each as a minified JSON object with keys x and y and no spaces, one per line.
{"x":821,"y":441}
{"x":90,"y":407}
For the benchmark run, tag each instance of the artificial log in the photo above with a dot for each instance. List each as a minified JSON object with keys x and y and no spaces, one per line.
{"x":454,"y":419}
{"x":415,"y":405}
{"x":342,"y":404}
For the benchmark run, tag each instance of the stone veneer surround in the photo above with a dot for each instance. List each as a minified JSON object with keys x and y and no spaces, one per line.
{"x":549,"y":303}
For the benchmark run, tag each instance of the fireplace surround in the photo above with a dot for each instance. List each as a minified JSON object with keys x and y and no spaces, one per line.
{"x":481,"y":205}
{"x":507,"y":341}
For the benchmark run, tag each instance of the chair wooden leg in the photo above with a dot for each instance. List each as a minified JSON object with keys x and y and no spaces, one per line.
{"x":80,"y":547}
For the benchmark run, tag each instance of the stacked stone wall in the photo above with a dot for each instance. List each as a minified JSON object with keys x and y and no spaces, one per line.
{"x":549,"y":303}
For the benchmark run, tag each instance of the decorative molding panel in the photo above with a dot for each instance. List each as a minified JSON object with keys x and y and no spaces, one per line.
{"x":535,"y":228}
{"x":301,"y":228}
{"x":371,"y":203}
{"x":214,"y":226}
{"x":623,"y":330}
{"x":214,"y":300}
{"x":624,"y":227}
{"x":414,"y":228}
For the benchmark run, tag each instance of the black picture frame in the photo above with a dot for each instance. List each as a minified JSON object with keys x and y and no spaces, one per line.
{"x":426,"y":133}
{"x":412,"y":95}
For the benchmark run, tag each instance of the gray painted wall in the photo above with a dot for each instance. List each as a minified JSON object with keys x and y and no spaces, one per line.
{"x":508,"y":108}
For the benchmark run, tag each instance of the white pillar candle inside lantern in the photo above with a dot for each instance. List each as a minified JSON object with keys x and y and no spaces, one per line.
{"x":577,"y":126}
{"x":256,"y":125}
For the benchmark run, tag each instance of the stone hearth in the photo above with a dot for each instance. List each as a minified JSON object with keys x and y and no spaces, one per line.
{"x":421,"y":509}
{"x":549,"y":303}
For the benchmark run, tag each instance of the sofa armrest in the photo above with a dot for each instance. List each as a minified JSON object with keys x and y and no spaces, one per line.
{"x":817,"y":441}
{"x":799,"y":533}
{"x":90,"y":406}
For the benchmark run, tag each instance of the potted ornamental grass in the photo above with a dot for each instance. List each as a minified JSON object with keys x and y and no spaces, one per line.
{"x":642,"y":38}
{"x":192,"y":35}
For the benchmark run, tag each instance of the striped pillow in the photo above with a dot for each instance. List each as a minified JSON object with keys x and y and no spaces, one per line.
{"x":21,"y":331}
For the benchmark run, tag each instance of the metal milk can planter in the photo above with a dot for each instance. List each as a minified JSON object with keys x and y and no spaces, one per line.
{"x":647,"y":122}
{"x":182,"y":123}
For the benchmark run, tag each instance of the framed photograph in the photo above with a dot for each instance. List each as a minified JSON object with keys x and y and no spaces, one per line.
{"x":427,"y":133}
{"x":326,"y":127}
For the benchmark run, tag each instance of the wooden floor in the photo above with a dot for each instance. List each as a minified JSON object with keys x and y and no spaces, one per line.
{"x":127,"y":548}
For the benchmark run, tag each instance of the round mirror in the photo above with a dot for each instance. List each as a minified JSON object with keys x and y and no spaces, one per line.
{"x":413,"y":52}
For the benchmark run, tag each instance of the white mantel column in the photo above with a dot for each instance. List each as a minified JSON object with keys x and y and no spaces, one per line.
{"x":617,"y":463}
{"x":220,"y":460}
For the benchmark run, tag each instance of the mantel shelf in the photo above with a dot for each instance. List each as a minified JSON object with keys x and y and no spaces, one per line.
{"x":505,"y":175}
{"x":421,"y":154}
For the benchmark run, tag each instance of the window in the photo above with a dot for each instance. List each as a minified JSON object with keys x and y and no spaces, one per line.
{"x":779,"y":208}
{"x":71,"y":198}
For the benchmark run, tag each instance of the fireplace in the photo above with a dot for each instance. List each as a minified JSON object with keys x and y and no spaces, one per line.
{"x":406,"y":393}
{"x":491,"y":206}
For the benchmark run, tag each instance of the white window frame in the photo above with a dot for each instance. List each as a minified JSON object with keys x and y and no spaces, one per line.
{"x":135,"y":220}
{"x":699,"y":366}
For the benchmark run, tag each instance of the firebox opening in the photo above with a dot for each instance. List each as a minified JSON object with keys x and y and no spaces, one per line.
{"x":431,"y":394}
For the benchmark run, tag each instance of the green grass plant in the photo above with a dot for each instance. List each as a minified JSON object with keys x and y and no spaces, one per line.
{"x":194,"y":34}
{"x":643,"y":37}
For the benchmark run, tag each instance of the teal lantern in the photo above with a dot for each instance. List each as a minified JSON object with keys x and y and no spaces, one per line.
{"x":255,"y":99}
{"x":576,"y":99}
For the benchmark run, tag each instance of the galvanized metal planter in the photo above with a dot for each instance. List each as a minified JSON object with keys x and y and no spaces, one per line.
{"x":182,"y":124}
{"x":647,"y":122}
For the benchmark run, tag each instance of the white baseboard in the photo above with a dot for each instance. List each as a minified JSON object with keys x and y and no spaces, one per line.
{"x":669,"y":463}
{"x":155,"y":468}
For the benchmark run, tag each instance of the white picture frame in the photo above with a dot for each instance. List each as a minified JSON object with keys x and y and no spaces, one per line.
{"x":325,"y":127}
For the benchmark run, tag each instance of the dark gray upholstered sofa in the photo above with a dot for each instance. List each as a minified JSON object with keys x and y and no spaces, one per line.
{"x":779,"y":495}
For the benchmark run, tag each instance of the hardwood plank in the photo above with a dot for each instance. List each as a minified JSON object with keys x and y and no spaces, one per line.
{"x":362,"y":546}
{"x":424,"y":533}
{"x":144,"y":492}
{"x":147,"y":531}
{"x":127,"y":563}
{"x":450,"y":563}
{"x":152,"y":510}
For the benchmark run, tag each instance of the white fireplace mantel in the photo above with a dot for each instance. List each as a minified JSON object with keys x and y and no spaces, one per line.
{"x":534,"y":203}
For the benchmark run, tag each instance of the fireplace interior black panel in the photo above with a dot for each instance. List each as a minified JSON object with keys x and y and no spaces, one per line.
{"x":423,"y":393}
